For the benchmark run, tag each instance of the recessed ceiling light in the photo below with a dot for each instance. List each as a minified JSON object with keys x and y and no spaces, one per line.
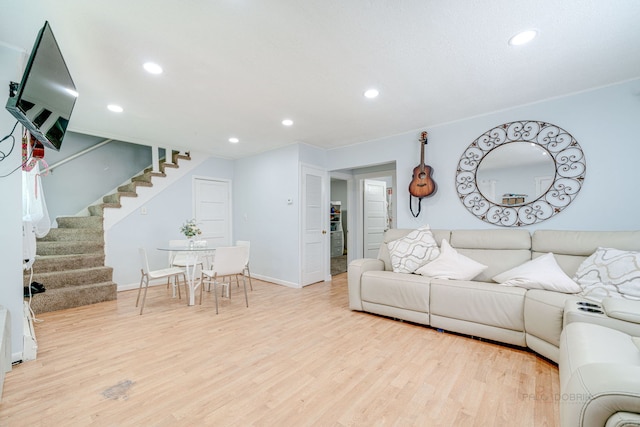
{"x":152,"y":68}
{"x":523,"y":37}
{"x":287,"y":122}
{"x":371,"y":93}
{"x":234,"y":140}
{"x":115,"y":108}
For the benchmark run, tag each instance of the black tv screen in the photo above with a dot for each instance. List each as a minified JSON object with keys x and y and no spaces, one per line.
{"x":46,"y":95}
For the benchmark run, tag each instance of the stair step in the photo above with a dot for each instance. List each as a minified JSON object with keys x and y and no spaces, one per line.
{"x":131,"y":187}
{"x":114,"y":198}
{"x":73,"y":234}
{"x":98,"y":210}
{"x":73,"y":296}
{"x":80,"y":222}
{"x":145,"y":177}
{"x":48,"y":263}
{"x":71,"y":278}
{"x":163,"y":166}
{"x":69,"y":248}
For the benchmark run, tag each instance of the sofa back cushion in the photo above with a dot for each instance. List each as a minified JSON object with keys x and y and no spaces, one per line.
{"x":500,"y":250}
{"x":571,"y":248}
{"x":398,"y":233}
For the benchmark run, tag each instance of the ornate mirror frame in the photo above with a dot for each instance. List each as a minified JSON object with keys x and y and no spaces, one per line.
{"x":570,"y":168}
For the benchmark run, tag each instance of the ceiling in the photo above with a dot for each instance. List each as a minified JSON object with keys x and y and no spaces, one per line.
{"x":237,"y":68}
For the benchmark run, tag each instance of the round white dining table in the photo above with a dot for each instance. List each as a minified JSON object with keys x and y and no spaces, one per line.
{"x":194,"y":254}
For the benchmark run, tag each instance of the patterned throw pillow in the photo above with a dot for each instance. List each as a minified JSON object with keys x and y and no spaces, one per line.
{"x":610,"y":272}
{"x":413,"y":251}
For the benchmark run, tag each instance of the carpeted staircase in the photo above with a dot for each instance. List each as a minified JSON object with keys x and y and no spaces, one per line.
{"x":70,"y":259}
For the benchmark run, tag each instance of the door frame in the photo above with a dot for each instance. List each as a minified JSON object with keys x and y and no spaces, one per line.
{"x":351,"y":214}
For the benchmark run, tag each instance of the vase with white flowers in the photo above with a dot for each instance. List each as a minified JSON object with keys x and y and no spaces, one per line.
{"x":190,"y":230}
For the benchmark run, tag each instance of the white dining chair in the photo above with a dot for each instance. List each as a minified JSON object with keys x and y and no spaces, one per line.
{"x":147,"y":275}
{"x":228,"y":262}
{"x":246,"y":271}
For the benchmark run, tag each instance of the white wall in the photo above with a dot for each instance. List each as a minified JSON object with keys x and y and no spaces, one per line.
{"x":166,"y":212}
{"x":11,"y":206}
{"x":101,"y":170}
{"x":604,"y":121}
{"x":339,"y":193}
{"x":262,"y":185}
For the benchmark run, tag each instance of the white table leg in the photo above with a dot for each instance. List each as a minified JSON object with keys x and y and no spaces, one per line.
{"x":190,"y":267}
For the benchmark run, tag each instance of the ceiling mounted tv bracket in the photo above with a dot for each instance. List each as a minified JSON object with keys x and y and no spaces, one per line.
{"x":13,"y":89}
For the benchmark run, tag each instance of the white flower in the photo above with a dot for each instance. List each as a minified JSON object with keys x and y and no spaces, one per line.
{"x":190,"y":229}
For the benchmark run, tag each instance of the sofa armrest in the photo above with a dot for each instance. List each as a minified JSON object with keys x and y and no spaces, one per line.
{"x":623,"y":419}
{"x":354,"y":277}
{"x":622,"y":309}
{"x":598,"y":391}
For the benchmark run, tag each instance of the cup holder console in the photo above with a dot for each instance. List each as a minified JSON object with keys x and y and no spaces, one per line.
{"x":588,"y":304}
{"x":589,"y":307}
{"x":590,"y":310}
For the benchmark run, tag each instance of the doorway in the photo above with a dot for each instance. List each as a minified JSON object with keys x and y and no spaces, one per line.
{"x":353,"y":210}
{"x":338,"y":223}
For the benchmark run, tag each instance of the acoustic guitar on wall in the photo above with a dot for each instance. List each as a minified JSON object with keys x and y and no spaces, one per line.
{"x":422,"y":185}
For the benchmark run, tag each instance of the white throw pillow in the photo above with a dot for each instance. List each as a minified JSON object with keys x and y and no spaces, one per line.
{"x":539,"y":273}
{"x":610,"y":272}
{"x":451,"y":265}
{"x":413,"y":250}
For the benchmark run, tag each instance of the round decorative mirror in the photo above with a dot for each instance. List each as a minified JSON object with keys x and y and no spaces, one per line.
{"x":520,"y":173}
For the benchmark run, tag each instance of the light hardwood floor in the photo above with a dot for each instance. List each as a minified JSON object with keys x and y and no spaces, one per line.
{"x":295,"y":357}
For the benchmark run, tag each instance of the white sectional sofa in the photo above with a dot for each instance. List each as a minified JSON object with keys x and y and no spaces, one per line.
{"x":533,"y":318}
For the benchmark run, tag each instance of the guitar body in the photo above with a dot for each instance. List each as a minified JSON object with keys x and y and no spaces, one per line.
{"x":422,"y":185}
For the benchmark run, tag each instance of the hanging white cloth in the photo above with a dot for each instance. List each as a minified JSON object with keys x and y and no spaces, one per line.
{"x":34,"y":207}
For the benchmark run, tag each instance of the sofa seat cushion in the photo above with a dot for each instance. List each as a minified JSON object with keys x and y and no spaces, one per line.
{"x":407,"y":291}
{"x":479,"y":302}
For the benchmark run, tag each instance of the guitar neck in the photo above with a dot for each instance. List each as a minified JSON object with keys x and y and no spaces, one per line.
{"x":423,"y":140}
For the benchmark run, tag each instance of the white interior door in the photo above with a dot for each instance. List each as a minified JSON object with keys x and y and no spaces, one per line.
{"x":374,"y":216}
{"x":314,"y":220}
{"x":212,"y":210}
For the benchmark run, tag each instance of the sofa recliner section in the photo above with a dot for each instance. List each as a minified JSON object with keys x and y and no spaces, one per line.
{"x":599,"y":377}
{"x":479,"y":309}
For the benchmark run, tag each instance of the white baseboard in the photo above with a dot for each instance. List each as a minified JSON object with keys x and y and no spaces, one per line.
{"x":276,"y":281}
{"x":131,"y":286}
{"x":30,"y":344}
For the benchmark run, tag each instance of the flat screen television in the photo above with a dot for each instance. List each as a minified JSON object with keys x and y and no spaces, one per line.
{"x":45,"y":97}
